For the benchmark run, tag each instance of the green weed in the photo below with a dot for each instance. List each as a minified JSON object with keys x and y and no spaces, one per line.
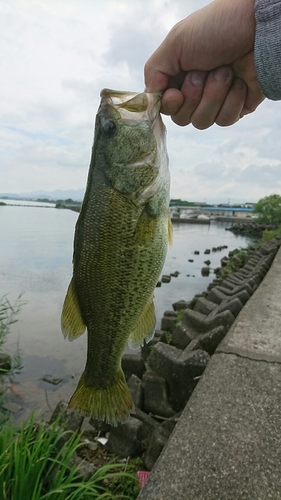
{"x":237,"y":261}
{"x":168,"y":337}
{"x":270,"y":235}
{"x":179,"y":315}
{"x":127,"y":486}
{"x":35,"y":463}
{"x":8,"y":316}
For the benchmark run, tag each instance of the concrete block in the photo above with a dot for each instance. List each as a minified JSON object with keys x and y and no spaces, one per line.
{"x":215,"y":296}
{"x":71,"y":419}
{"x":204,"y":306}
{"x":249,"y":267}
{"x":156,"y":394}
{"x":180,"y":369}
{"x":194,"y":321}
{"x":198,"y":323}
{"x":147,"y":348}
{"x":243,"y":296}
{"x":132,"y":364}
{"x":227,"y":284}
{"x":100,"y":426}
{"x":168,"y":322}
{"x":148,"y":424}
{"x":181,"y":336}
{"x":124,"y":440}
{"x":181,"y":304}
{"x":210,"y":340}
{"x":233,"y":305}
{"x":136,"y":390}
{"x":156,"y":444}
{"x":234,"y":279}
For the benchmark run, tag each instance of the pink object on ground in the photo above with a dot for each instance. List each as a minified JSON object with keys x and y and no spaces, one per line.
{"x":143,"y":476}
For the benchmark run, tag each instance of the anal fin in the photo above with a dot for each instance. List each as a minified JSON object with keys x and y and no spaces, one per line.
{"x":145,"y":328}
{"x":72,"y":323}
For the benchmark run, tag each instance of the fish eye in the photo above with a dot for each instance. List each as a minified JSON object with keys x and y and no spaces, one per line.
{"x":109,"y":128}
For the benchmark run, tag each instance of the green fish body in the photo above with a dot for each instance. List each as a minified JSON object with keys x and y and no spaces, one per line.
{"x":120,"y":246}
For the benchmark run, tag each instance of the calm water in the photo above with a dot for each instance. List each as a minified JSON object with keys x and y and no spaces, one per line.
{"x":35,"y":258}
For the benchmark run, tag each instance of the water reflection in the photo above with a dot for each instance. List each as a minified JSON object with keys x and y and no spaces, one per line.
{"x":36,"y":258}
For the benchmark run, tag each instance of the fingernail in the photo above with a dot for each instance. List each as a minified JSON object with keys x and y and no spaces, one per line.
{"x":221,"y":74}
{"x":171,"y":106}
{"x":197,"y":77}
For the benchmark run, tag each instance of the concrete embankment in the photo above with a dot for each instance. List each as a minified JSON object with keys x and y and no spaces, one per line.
{"x":227,"y":443}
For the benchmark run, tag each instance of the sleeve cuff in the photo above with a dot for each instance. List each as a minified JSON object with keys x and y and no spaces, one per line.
{"x":268,"y":47}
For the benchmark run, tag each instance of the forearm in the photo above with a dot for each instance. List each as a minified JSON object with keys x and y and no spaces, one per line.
{"x":268,"y":47}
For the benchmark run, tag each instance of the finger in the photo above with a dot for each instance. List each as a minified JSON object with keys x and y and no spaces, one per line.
{"x":155,"y":80}
{"x":172,"y":100}
{"x":245,"y":69}
{"x":191,"y":90}
{"x":160,"y":67}
{"x":233,"y":105}
{"x":252,"y":102}
{"x":215,"y":91}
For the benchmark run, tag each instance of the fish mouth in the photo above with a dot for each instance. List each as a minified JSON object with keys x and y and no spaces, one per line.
{"x":134,"y":107}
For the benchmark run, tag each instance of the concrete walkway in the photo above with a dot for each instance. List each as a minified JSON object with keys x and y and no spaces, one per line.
{"x":227,"y":444}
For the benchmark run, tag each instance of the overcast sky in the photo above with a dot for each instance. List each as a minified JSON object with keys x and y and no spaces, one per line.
{"x":56,"y":56}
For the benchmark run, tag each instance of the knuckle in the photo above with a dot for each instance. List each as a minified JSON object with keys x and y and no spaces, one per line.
{"x":181,"y":121}
{"x":202,"y":124}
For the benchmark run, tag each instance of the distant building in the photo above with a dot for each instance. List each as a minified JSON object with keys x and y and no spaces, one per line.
{"x":226,"y":211}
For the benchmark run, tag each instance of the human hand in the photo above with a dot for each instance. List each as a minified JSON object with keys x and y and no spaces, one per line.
{"x":206,"y":66}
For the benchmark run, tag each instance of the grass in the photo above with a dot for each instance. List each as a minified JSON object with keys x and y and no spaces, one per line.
{"x":8,"y":316}
{"x":270,"y":235}
{"x":35,"y":463}
{"x":179,"y":315}
{"x":168,"y":337}
{"x":127,"y":484}
{"x":233,"y":265}
{"x":241,"y":253}
{"x":36,"y":460}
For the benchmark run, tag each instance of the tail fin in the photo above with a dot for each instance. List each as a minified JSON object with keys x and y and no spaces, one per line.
{"x":112,"y":405}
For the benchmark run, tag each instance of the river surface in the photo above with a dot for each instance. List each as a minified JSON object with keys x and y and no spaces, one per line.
{"x":36,"y":260}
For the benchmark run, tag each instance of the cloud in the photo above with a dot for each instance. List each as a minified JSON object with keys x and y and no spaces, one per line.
{"x":55,"y":59}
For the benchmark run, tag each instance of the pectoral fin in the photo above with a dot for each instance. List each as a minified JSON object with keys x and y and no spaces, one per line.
{"x":72,"y":323}
{"x":144,"y":329}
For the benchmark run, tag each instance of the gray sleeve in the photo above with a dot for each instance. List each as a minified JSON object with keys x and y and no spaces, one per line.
{"x":268,"y":47}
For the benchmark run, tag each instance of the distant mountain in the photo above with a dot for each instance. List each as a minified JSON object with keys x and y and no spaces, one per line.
{"x":57,"y":194}
{"x":78,"y":194}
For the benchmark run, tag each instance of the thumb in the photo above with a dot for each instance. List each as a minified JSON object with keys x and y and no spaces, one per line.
{"x":154,"y":79}
{"x":162,"y":64}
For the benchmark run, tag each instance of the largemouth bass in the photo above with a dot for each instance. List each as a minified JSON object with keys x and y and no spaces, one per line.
{"x":120,"y":245}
